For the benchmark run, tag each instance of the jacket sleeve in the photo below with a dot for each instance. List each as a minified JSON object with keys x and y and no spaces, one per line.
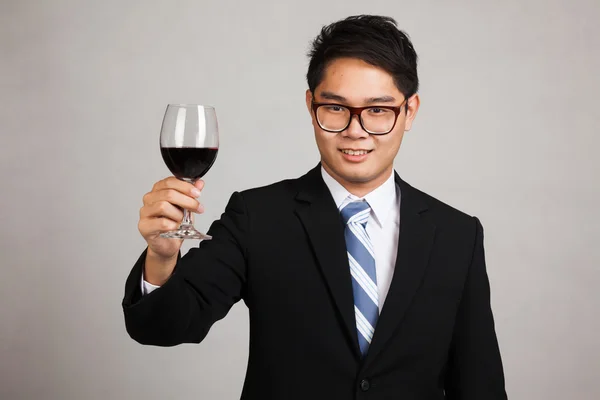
{"x":205,"y":284}
{"x":475,"y":368}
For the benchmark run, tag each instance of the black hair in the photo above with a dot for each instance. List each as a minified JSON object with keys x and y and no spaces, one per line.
{"x":371,"y":38}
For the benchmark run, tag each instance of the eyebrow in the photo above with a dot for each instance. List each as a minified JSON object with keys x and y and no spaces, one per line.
{"x":370,"y":100}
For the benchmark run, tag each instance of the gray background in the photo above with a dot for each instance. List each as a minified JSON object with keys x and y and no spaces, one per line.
{"x":507,"y":131}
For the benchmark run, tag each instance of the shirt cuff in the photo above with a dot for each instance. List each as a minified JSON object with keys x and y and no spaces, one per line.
{"x":147,"y":287}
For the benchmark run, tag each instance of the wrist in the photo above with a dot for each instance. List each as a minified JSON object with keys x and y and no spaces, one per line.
{"x":154,"y":256}
{"x":158,"y":269}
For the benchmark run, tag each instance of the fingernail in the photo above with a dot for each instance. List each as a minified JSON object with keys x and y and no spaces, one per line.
{"x":195,"y":192}
{"x":200,"y":208}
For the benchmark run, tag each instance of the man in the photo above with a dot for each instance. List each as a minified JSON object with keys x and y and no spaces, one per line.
{"x":358,"y":285}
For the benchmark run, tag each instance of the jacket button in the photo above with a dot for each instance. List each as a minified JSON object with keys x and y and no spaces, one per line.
{"x":364,"y":385}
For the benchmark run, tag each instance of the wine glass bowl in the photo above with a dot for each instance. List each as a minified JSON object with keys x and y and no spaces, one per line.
{"x":189,"y":144}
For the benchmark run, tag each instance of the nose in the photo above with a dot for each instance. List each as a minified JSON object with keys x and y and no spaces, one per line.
{"x":355,"y":130}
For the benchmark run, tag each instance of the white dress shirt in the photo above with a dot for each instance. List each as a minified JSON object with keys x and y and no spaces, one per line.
{"x":382,"y":228}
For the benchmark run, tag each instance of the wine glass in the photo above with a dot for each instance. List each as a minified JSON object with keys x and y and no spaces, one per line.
{"x":189,"y":143}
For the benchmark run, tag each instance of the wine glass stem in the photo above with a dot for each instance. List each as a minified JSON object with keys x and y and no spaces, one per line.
{"x":187,"y":218}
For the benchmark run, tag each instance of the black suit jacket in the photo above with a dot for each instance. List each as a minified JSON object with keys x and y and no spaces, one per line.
{"x":281,"y":250}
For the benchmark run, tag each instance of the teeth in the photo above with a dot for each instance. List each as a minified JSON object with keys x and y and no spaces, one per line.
{"x":355,"y":152}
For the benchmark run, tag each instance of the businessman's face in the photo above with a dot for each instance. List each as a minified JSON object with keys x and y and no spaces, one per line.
{"x":358,"y":160}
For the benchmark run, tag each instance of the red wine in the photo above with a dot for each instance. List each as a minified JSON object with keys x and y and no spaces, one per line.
{"x":189,"y":163}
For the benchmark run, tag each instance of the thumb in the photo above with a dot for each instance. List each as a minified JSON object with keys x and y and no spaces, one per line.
{"x":199,"y":184}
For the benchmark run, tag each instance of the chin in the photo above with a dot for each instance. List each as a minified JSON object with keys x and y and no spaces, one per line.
{"x":359,"y":178}
{"x":356,"y":174}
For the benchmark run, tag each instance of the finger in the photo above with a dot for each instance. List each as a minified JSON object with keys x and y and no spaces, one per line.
{"x":178,"y":185}
{"x":154,"y":226}
{"x":199,"y":184}
{"x":162,"y":209}
{"x":174,"y":197}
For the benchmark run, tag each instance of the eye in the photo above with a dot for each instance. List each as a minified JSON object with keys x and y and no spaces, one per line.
{"x":377,"y":110}
{"x":334,"y":108}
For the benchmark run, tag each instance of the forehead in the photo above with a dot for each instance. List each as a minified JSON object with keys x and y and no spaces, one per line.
{"x":355,"y":79}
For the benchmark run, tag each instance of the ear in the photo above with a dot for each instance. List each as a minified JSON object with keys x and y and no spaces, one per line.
{"x":412,"y":107}
{"x":309,"y":99}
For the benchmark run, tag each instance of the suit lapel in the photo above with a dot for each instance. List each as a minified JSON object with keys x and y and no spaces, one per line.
{"x":321,"y":220}
{"x":414,"y":245}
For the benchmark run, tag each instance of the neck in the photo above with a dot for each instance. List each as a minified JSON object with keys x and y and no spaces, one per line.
{"x":361,"y":188}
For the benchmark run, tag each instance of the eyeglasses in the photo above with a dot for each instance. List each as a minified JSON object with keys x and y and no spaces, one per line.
{"x":375,"y":120}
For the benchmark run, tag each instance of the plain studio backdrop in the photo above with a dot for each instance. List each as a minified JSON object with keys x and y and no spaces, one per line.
{"x":507,"y":131}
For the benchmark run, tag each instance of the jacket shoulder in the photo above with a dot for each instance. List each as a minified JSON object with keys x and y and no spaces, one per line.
{"x":442,"y":210}
{"x":278,"y":191}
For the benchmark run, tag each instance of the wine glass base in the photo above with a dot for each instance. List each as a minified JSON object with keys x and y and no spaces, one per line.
{"x":185,"y":233}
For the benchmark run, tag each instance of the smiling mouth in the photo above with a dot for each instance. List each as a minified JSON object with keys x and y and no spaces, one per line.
{"x":355,"y":152}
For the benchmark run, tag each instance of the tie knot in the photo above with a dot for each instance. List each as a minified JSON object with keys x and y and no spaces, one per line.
{"x":356,"y":212}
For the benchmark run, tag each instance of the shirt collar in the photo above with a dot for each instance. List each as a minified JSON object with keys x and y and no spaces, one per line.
{"x":381,"y":200}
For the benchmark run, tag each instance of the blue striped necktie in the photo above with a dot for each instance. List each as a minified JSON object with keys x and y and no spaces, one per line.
{"x":361,"y":258}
